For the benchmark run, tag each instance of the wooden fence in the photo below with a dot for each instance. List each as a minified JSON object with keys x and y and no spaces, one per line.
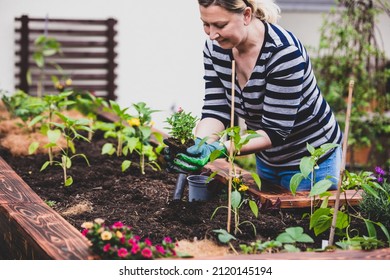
{"x":87,"y":55}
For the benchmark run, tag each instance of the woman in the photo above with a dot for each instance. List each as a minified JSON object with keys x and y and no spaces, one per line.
{"x":275,"y":93}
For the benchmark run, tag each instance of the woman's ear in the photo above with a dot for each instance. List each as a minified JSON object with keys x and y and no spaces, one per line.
{"x":247,"y":15}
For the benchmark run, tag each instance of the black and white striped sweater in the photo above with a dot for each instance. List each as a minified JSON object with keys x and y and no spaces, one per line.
{"x":281,"y":97}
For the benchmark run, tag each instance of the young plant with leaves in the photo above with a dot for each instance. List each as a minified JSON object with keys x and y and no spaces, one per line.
{"x":69,"y":129}
{"x":117,"y":129}
{"x":133,"y":134}
{"x":139,"y":139}
{"x":181,"y":125}
{"x":53,"y":103}
{"x":239,"y":198}
{"x":320,"y":218}
{"x":24,"y":106}
{"x":45,"y":47}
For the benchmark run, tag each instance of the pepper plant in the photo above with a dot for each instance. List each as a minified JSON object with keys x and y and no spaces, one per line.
{"x":54,"y":103}
{"x":69,"y":129}
{"x":321,"y":217}
{"x":45,"y":47}
{"x":133,"y":134}
{"x":238,"y":190}
{"x":139,"y":140}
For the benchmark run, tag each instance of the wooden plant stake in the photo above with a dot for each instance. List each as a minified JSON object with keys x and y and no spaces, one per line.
{"x":231,"y":147}
{"x":343,"y":162}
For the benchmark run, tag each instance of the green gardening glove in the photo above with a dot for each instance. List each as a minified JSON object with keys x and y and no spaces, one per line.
{"x":199,"y":155}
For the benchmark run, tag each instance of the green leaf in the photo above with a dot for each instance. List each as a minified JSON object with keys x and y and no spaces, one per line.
{"x":125,"y":165}
{"x":67,"y":161}
{"x":108,"y":148}
{"x":342,"y":220}
{"x":306,"y":166}
{"x":284,"y":237}
{"x":295,"y":180}
{"x":255,"y":209}
{"x":33,"y":147}
{"x":320,"y":187}
{"x":224,"y":236}
{"x":257,"y":179}
{"x":291,"y":248}
{"x":68,"y":181}
{"x":310,"y":148}
{"x":53,"y":135}
{"x":45,"y":165}
{"x":370,"y":228}
{"x":368,"y":189}
{"x":320,"y":220}
{"x":236,"y":199}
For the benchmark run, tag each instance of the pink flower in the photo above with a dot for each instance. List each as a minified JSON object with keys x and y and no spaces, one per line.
{"x":148,"y":242}
{"x":132,"y":241}
{"x":135,"y":249}
{"x":106,"y":247}
{"x":84,"y":232}
{"x":147,"y":253}
{"x":118,"y":224}
{"x":137,"y":238}
{"x":167,"y":239}
{"x":160,"y":249}
{"x":122,"y":252}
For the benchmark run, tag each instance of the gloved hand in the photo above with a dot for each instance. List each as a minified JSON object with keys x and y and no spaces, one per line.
{"x":169,"y":153}
{"x":199,"y":155}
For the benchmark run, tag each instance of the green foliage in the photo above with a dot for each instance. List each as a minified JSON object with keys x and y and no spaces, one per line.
{"x":23,"y":106}
{"x":377,"y":207}
{"x":133,"y":133}
{"x":181,"y":125}
{"x":285,"y":241}
{"x":238,"y":197}
{"x":349,"y":49}
{"x":69,"y":129}
{"x":308,"y":166}
{"x":44,"y":47}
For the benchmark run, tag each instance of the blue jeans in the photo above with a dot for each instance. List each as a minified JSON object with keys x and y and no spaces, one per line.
{"x":282,"y":176}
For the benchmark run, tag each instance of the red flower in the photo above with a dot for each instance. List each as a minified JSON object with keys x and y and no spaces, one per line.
{"x":84,"y":232}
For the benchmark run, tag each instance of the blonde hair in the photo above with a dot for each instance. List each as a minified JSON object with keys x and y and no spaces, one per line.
{"x":266,"y":10}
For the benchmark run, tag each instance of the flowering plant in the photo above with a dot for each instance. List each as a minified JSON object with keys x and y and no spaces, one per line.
{"x":181,"y":125}
{"x":118,"y":242}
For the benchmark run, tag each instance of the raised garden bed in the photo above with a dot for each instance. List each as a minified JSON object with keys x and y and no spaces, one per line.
{"x":33,"y":230}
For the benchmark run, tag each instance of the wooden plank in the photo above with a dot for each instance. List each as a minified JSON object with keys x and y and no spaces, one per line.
{"x":68,"y":21}
{"x":13,"y":189}
{"x":379,"y":254}
{"x":274,"y":192}
{"x":31,"y":229}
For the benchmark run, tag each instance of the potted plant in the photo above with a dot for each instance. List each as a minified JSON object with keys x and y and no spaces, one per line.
{"x":180,"y":131}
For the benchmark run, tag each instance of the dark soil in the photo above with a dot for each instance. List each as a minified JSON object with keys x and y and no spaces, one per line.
{"x":144,"y":202}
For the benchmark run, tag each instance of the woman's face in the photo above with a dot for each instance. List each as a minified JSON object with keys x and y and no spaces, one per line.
{"x":225,"y":27}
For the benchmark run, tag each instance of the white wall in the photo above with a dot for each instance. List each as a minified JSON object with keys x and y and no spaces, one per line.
{"x":160,"y":46}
